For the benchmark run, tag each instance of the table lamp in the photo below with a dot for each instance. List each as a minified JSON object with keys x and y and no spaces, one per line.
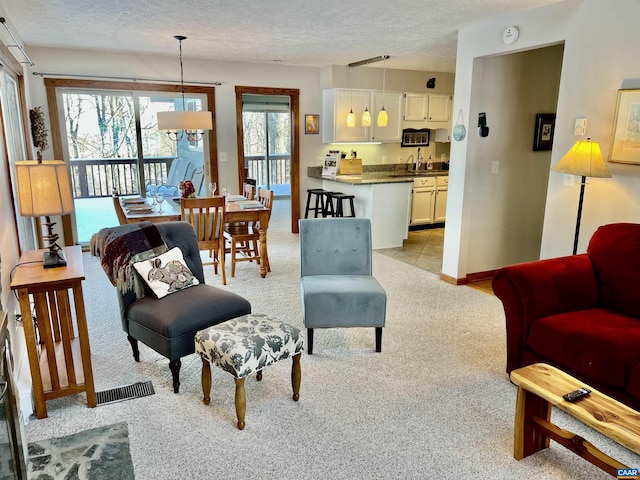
{"x":584,"y":159}
{"x":44,"y":190}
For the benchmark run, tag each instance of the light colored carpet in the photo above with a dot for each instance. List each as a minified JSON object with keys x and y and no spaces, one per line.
{"x":435,"y":404}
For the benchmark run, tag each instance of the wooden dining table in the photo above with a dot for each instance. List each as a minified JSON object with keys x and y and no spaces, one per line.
{"x":233,"y":213}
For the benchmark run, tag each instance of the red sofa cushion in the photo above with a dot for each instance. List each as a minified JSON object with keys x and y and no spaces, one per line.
{"x":599,"y":343}
{"x":614,"y":251}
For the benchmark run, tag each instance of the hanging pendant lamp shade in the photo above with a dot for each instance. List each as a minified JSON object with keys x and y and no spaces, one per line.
{"x":383,"y":118}
{"x":179,"y":123}
{"x":366,"y":118}
{"x":351,"y":119}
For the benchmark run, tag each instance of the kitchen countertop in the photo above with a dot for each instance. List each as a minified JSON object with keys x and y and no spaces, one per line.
{"x":370,"y":178}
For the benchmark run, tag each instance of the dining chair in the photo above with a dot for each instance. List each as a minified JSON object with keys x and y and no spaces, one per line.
{"x":197,"y":179}
{"x":248,"y":190}
{"x":119,"y":212}
{"x":244,"y":237}
{"x":206,"y":216}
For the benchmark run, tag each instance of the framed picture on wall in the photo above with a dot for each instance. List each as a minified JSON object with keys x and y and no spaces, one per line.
{"x":545,"y":127}
{"x":625,"y":144}
{"x":311,"y":124}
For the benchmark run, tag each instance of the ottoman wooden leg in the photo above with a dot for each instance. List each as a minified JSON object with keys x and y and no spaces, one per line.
{"x":206,"y":381}
{"x":241,"y":402}
{"x":296,"y":376}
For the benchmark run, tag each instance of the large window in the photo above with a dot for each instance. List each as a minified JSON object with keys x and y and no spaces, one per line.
{"x":110,"y":138}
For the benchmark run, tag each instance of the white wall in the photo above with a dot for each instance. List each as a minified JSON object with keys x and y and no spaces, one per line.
{"x":601,"y":43}
{"x":510,"y":210}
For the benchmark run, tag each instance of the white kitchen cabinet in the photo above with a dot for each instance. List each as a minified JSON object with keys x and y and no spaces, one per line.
{"x":440,"y":200}
{"x":416,"y":107}
{"x":430,"y":110}
{"x":392,"y":102}
{"x":429,"y":200}
{"x":422,"y":200}
{"x":439,"y":107}
{"x":338,"y":102}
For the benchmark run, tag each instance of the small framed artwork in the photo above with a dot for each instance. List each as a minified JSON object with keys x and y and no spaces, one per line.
{"x":545,"y":127}
{"x":311,"y":124}
{"x":625,"y":145}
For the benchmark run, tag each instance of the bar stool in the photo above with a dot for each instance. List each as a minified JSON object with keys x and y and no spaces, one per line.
{"x":319,"y":202}
{"x":338,"y":210}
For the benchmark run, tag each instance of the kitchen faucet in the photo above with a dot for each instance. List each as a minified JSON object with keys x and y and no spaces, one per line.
{"x":419,"y":160}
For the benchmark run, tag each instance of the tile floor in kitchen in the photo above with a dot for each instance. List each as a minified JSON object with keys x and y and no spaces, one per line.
{"x":423,"y":249}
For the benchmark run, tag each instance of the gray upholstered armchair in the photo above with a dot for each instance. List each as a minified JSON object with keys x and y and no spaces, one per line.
{"x":168,"y":325}
{"x":337,"y":286}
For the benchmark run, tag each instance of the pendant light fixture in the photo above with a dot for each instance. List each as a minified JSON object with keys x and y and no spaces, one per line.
{"x":366,"y":117}
{"x":382,"y":116}
{"x":177,"y":124}
{"x":351,"y":118}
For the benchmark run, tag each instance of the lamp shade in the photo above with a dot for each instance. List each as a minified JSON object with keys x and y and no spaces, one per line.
{"x":173,"y":121}
{"x":351,"y":119}
{"x":366,"y":118}
{"x":584,"y":159}
{"x":43,"y":188}
{"x":383,"y":118}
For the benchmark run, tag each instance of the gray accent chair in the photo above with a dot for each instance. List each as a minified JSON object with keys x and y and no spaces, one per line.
{"x":168,"y":325}
{"x":336,"y":285}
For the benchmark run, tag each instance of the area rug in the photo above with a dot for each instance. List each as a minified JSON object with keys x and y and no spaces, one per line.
{"x":97,"y":454}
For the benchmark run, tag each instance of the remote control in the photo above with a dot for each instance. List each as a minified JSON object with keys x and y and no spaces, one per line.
{"x":576,"y":394}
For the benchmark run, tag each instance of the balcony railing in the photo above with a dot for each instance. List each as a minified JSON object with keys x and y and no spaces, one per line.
{"x":279,"y":165}
{"x":102,"y":177}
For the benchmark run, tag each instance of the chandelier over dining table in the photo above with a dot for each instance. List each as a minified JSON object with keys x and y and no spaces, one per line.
{"x":177,"y":124}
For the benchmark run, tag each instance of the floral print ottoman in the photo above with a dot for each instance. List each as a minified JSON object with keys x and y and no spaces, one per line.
{"x":246,"y":345}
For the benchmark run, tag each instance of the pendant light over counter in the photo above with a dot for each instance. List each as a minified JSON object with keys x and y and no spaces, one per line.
{"x":366,"y":115}
{"x":383,"y":118}
{"x":179,"y":123}
{"x":351,"y":118}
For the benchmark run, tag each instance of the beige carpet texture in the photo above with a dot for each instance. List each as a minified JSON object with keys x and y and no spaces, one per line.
{"x":436,"y":403}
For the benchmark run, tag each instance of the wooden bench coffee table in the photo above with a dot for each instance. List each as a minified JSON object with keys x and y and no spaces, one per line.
{"x":539,"y":387}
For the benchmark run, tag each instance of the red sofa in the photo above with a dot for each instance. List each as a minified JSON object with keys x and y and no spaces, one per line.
{"x":581,"y":313}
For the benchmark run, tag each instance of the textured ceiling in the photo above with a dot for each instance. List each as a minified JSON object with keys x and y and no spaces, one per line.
{"x":417,"y":34}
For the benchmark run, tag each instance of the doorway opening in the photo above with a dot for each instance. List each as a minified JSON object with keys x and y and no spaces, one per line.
{"x":267,"y":123}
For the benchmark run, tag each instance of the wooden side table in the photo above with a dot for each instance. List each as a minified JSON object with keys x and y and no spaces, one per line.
{"x":63,"y":365}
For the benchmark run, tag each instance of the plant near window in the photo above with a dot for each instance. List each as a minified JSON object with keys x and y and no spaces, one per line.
{"x":38,"y":130}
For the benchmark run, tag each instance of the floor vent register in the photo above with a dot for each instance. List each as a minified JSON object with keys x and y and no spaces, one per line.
{"x":126,"y":392}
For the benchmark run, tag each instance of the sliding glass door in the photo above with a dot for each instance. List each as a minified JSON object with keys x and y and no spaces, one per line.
{"x":113,"y":146}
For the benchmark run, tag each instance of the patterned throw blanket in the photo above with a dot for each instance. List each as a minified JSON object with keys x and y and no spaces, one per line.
{"x":120,"y":247}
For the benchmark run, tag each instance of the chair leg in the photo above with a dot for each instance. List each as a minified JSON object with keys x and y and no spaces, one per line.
{"x":310,"y":341}
{"x":378,"y":339}
{"x":134,"y":347}
{"x":174,"y":366}
{"x":220,"y":255}
{"x":233,"y":258}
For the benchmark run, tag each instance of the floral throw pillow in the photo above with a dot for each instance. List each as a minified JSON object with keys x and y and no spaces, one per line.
{"x":166,"y":273}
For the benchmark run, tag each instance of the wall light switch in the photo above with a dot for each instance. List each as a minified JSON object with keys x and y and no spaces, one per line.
{"x":495,"y":166}
{"x":224,"y":157}
{"x":580,"y":127}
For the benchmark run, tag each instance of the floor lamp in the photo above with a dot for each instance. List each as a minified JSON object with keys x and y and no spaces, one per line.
{"x":44,"y":190}
{"x":585,"y":160}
